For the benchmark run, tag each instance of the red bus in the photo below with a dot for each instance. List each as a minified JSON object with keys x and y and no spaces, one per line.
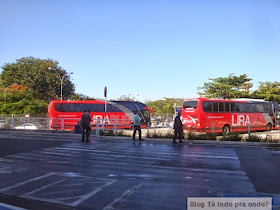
{"x":65,"y":115}
{"x":224,"y":116}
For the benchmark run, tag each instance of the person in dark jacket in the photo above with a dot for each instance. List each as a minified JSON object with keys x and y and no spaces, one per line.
{"x":86,"y":126}
{"x":178,"y":128}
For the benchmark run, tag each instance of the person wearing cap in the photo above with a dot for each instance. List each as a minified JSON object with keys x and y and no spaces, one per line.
{"x":178,"y":128}
{"x":136,"y":125}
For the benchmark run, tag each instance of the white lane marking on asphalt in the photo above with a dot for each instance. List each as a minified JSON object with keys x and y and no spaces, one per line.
{"x":41,"y":188}
{"x":87,"y":196}
{"x":84,"y":150}
{"x":68,"y":198}
{"x":111,"y":155}
{"x":7,"y":206}
{"x":208,"y":170}
{"x":5,"y":160}
{"x":211,"y":156}
{"x":58,"y":154}
{"x":26,"y":182}
{"x":101,"y":149}
{"x":126,"y":194}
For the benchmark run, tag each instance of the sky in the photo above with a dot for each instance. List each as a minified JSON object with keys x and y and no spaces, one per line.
{"x":148,"y":49}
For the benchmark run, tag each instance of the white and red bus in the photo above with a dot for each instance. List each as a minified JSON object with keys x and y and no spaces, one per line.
{"x":65,"y":115}
{"x":224,"y":116}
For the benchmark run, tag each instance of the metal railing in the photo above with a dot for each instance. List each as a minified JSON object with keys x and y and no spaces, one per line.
{"x":62,"y":124}
{"x":70,"y":124}
{"x":24,"y":123}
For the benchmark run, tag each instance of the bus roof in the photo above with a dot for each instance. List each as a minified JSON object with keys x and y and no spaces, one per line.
{"x":233,"y":100}
{"x":82,"y":101}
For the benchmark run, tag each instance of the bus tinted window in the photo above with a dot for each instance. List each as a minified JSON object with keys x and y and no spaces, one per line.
{"x":207,"y":106}
{"x":227,"y":107}
{"x":252,"y":108}
{"x":215,"y":106}
{"x":268,"y":108}
{"x":221,"y":107}
{"x":260,"y":107}
{"x":190,"y":104}
{"x":233,"y":107}
{"x":241,"y":107}
{"x":75,"y":107}
{"x":112,"y":108}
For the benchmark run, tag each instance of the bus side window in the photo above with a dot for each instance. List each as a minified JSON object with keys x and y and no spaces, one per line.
{"x":65,"y":107}
{"x":241,"y":107}
{"x":260,"y":108}
{"x":97,"y":107}
{"x":221,"y":107}
{"x":72,"y":107}
{"x":77,"y":107}
{"x":248,"y":108}
{"x":215,"y":106}
{"x":233,"y":107}
{"x":252,"y":107}
{"x":268,"y":109}
{"x":112,"y":108}
{"x":238,"y":107}
{"x":227,"y":107}
{"x":207,"y":106}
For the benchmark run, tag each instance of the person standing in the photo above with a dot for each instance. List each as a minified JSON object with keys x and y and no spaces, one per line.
{"x":86,"y":126}
{"x":178,"y":128}
{"x":136,"y":125}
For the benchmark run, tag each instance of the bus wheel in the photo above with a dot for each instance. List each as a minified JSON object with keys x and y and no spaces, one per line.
{"x":269,"y":127}
{"x":226,"y":129}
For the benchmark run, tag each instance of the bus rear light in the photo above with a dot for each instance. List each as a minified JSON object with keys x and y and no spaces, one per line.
{"x":198,"y":124}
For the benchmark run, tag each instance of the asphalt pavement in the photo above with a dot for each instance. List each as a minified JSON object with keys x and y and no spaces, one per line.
{"x":56,"y":171}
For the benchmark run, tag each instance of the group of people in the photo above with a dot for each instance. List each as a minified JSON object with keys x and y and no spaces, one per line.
{"x":86,"y":126}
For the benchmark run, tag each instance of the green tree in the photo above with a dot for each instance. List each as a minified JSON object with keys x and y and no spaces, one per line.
{"x":126,"y":98}
{"x":79,"y":96}
{"x":20,"y":100}
{"x":42,"y":76}
{"x":269,"y":91}
{"x":164,"y":108}
{"x":226,"y":87}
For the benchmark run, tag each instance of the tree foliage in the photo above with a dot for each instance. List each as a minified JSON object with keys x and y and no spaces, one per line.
{"x":79,"y":96}
{"x":165,"y":107}
{"x":226,"y":87}
{"x":30,"y":83}
{"x":42,"y":76}
{"x":127,"y":98}
{"x":269,"y":91}
{"x":20,"y":100}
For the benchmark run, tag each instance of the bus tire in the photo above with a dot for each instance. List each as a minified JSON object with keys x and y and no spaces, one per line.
{"x":269,"y":127}
{"x":226,"y":129}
